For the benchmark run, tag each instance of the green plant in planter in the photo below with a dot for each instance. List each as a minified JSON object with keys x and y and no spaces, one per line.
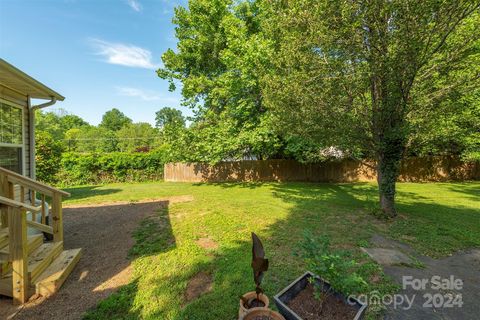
{"x":335,"y":266}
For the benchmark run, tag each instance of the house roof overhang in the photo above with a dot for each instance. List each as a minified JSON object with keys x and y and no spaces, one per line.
{"x":20,"y":82}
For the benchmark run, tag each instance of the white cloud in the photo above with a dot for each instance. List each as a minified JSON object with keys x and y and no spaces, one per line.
{"x":144,"y":94}
{"x":135,"y":5}
{"x":134,"y":92}
{"x":123,"y":54}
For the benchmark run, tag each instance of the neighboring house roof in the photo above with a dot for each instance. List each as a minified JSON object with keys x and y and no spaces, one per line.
{"x":22,"y":83}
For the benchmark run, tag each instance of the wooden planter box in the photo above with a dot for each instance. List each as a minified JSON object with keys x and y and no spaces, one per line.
{"x":290,"y":292}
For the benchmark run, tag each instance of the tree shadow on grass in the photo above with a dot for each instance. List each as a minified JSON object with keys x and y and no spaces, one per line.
{"x":83,"y":192}
{"x":122,"y":305}
{"x":436,"y":230}
{"x":432,"y":228}
{"x":472,"y":190}
{"x":154,"y":235}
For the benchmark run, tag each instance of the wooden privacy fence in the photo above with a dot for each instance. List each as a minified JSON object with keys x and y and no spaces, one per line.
{"x":413,"y":169}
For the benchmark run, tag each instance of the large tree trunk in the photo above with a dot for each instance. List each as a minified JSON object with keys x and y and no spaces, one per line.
{"x":387,"y":173}
{"x":389,"y":101}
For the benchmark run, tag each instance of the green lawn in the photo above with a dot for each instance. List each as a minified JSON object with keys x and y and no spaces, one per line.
{"x":436,"y":219}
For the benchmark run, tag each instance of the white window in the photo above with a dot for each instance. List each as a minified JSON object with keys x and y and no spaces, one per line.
{"x":11,"y":137}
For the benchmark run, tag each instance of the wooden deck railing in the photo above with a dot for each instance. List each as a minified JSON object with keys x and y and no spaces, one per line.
{"x":19,"y":195}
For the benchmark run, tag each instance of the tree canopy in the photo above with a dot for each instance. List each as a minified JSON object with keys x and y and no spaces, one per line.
{"x":137,"y":137}
{"x":169,"y":116}
{"x":114,"y":120}
{"x":219,"y":50}
{"x":72,"y":133}
{"x":56,"y":123}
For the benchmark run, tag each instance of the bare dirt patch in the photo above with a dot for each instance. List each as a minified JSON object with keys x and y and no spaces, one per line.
{"x":207,"y":243}
{"x":170,"y":200}
{"x":105,"y":234}
{"x":200,"y":284}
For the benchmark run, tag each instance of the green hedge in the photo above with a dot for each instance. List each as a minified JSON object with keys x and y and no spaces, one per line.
{"x":78,"y":168}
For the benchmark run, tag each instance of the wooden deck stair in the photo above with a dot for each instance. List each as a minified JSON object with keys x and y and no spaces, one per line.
{"x":49,"y":281}
{"x":48,"y":266}
{"x":28,"y":264}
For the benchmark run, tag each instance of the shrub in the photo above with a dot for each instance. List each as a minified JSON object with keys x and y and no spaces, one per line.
{"x":47,"y":156}
{"x":94,"y":168}
{"x":335,"y":266}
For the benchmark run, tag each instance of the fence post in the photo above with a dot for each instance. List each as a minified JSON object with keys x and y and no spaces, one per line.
{"x":18,"y":254}
{"x":57,"y":217}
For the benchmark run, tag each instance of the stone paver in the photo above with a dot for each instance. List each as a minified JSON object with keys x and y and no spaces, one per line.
{"x":388,"y":257}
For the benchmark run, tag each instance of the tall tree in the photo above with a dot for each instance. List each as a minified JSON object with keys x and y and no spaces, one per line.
{"x":169,"y":116}
{"x":136,"y":136}
{"x":218,"y":55}
{"x":70,"y":121}
{"x":347,"y":72}
{"x":56,"y":123}
{"x":114,"y":120}
{"x":93,"y":139}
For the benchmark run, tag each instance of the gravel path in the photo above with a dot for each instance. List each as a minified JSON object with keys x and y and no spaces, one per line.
{"x":104,"y":233}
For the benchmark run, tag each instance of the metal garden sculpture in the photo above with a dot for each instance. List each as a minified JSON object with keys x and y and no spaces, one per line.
{"x":259,"y":263}
{"x":259,"y":266}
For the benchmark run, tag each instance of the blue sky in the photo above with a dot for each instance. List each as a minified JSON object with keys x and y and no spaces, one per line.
{"x":99,"y":54}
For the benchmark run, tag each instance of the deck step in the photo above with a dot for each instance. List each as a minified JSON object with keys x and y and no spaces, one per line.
{"x":55,"y":275}
{"x":38,"y":261}
{"x":34,"y":242}
{"x":42,"y":257}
